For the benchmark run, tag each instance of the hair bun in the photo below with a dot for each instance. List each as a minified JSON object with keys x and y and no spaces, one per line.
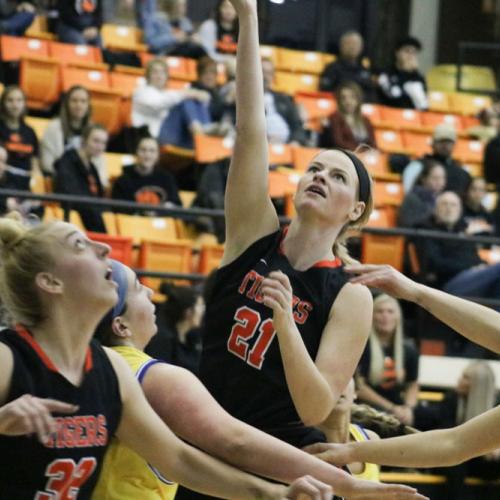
{"x":11,"y":231}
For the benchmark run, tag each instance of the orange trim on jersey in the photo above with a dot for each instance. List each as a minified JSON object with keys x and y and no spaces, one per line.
{"x":321,"y":263}
{"x":24,"y":334}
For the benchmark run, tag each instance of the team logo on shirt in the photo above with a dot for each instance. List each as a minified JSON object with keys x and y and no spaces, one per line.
{"x":85,"y":6}
{"x":81,"y":431}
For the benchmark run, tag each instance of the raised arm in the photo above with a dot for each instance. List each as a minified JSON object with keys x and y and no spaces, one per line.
{"x":440,"y":448}
{"x":249,"y":211}
{"x":475,"y":322}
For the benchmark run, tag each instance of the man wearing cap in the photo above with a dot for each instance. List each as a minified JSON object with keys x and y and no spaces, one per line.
{"x":443,"y":143}
{"x":402,"y":85}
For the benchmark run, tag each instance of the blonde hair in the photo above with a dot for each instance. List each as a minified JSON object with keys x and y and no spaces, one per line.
{"x":157,"y":61}
{"x":377,"y":353}
{"x":482,"y":392}
{"x":24,"y":252}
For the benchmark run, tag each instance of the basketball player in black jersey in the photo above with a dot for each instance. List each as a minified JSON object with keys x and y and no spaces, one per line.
{"x":56,"y":283}
{"x":284,"y":329}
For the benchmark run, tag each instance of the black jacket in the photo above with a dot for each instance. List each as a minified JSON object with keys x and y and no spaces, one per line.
{"x":80,"y":15}
{"x":492,"y":161}
{"x":457,"y":178}
{"x":72,"y":177}
{"x":288,"y":110}
{"x":446,"y":258}
{"x":393,"y":87}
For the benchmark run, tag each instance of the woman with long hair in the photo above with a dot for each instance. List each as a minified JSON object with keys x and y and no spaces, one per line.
{"x":188,"y":409}
{"x":388,"y":371}
{"x":65,"y":131}
{"x":57,"y":286}
{"x":348,"y":127}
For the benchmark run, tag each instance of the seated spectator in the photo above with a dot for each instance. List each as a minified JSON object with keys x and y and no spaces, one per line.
{"x":488,"y":125}
{"x":456,"y":265}
{"x":76,"y":174}
{"x":19,"y":139}
{"x":339,"y":429}
{"x":143,"y":182}
{"x":388,"y":369}
{"x":348,"y":67}
{"x":402,"y":85}
{"x":283,"y":121}
{"x":474,"y":394}
{"x":178,"y":339}
{"x":348,"y":127}
{"x":16,"y":17}
{"x":492,"y":160}
{"x":418,"y":204}
{"x":478,"y":219}
{"x":443,"y":143}
{"x":219,"y":35}
{"x":65,"y":131}
{"x":152,"y":102}
{"x":169,"y":32}
{"x":80,"y":21}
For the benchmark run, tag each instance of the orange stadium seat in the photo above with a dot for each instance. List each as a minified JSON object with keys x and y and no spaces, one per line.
{"x":469,"y":151}
{"x":417,"y":144}
{"x":474,"y":169}
{"x":383,"y":217}
{"x":125,"y":83}
{"x":302,"y":156}
{"x":373,"y":112}
{"x":280,"y":154}
{"x":270,"y":52}
{"x":211,"y":149}
{"x":389,"y":141}
{"x":439,"y":101}
{"x":406,"y":119}
{"x":298,"y":61}
{"x":376,"y":162}
{"x":291,"y":83}
{"x":41,"y":81}
{"x":121,"y":246}
{"x":13,"y":48}
{"x":139,"y":227}
{"x":75,"y":55}
{"x":281,"y":184}
{"x":179,"y":68}
{"x":165,"y":256}
{"x":388,"y":193}
{"x":92,"y":79}
{"x":210,"y":257}
{"x":316,"y":109}
{"x":431,"y":120}
{"x":106,"y":109}
{"x":125,"y":38}
{"x":378,"y":249}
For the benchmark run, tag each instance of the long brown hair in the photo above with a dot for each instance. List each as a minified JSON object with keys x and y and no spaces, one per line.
{"x":3,"y":110}
{"x":358,"y":93}
{"x":64,"y":114}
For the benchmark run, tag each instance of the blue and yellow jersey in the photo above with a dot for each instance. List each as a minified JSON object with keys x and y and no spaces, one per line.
{"x":125,"y":475}
{"x":371,"y":472}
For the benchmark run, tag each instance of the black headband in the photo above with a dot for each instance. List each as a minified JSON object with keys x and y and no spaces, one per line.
{"x":363,"y":177}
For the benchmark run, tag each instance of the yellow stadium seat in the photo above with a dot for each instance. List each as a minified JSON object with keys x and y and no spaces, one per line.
{"x":139,"y":227}
{"x":478,"y":78}
{"x":439,"y":101}
{"x":210,"y":257}
{"x":115,"y":162}
{"x":468,"y":104}
{"x":126,"y":38}
{"x":291,"y":83}
{"x":37,"y":124}
{"x":298,"y":61}
{"x":39,"y":29}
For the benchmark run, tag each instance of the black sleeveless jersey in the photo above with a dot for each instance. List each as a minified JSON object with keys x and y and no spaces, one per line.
{"x":68,"y":465}
{"x":241,"y":362}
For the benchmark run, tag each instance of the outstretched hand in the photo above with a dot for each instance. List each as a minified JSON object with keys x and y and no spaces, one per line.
{"x":386,"y":278}
{"x":31,"y":415}
{"x":307,"y":487}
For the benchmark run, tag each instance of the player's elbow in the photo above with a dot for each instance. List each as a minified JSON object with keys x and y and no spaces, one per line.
{"x":455,"y":452}
{"x":313,"y":416}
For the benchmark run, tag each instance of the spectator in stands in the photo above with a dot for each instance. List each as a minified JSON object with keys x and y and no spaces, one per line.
{"x":488,"y":125}
{"x":17,"y":137}
{"x":219,"y":35}
{"x":169,"y":32}
{"x":388,"y":369}
{"x":402,"y":85}
{"x":348,"y":127}
{"x":443,"y":143}
{"x":80,"y":21}
{"x":492,"y":160}
{"x":283,"y":121}
{"x":456,"y":265}
{"x":475,"y":394}
{"x":75,"y":173}
{"x":478,"y":219}
{"x":16,"y":17}
{"x":152,"y":102}
{"x":348,"y":67}
{"x":418,"y":204}
{"x":178,"y":340}
{"x":143,"y":182}
{"x":65,"y":131}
